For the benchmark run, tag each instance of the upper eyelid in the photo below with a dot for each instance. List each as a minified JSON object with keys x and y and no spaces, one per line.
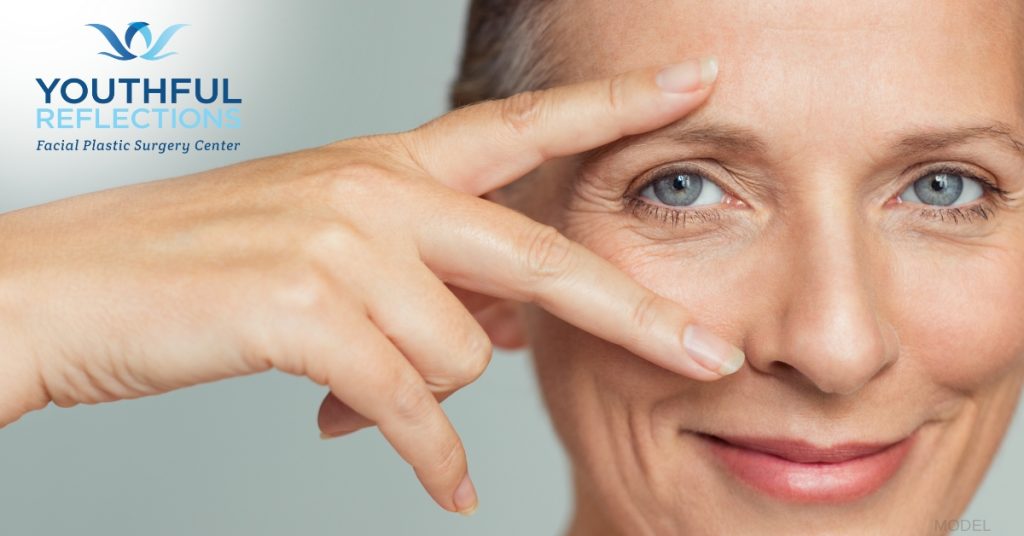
{"x":647,"y":178}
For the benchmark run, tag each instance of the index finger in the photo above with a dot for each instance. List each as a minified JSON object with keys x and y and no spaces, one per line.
{"x":483,"y":146}
{"x":494,"y":250}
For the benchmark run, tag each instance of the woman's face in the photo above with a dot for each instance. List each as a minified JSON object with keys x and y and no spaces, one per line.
{"x":844,"y":237}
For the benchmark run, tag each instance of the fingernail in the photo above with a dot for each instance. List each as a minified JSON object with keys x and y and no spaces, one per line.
{"x":690,"y":75}
{"x":325,"y":436}
{"x":711,"y":351}
{"x":465,"y":497}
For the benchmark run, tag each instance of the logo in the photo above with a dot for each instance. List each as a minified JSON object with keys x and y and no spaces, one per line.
{"x":122,"y":51}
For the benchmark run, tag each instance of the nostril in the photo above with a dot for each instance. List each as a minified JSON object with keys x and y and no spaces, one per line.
{"x":784,"y":368}
{"x":796,"y":377}
{"x":793,"y":375}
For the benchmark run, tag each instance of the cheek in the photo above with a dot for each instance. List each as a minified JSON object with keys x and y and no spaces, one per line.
{"x":582,"y":375}
{"x":568,"y":357}
{"x":961,"y":315}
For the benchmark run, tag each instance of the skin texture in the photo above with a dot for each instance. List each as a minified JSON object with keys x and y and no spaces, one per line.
{"x":862,"y":319}
{"x":278,"y":263}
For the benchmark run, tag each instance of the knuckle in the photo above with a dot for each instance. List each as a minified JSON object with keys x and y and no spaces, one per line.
{"x":465,"y":367}
{"x":310,"y":281}
{"x":333,"y":240}
{"x":361,"y":171}
{"x":521,"y":111}
{"x":304,"y":289}
{"x":355,"y":180}
{"x":410,"y":401}
{"x":548,"y":253}
{"x":616,"y":93}
{"x":471,"y":366}
{"x":451,"y":456}
{"x":446,"y":379}
{"x":644,"y":315}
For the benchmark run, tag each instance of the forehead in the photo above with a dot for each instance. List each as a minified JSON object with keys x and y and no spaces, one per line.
{"x":814,"y":60}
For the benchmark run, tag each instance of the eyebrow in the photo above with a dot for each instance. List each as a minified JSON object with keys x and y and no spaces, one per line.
{"x":738,"y":138}
{"x":727,"y":136}
{"x":926,"y":140}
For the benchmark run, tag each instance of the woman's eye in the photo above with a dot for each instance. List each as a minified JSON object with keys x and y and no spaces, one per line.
{"x":943,"y":189}
{"x":683,"y":189}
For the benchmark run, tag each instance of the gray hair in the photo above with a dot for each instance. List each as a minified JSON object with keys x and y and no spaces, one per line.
{"x":506,"y":50}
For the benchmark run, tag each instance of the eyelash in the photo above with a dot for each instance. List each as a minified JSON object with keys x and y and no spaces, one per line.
{"x":994,"y":197}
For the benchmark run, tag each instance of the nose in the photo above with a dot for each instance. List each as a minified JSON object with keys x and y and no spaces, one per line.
{"x":827,"y":328}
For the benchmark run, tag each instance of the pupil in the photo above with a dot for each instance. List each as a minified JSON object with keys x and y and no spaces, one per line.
{"x":681,"y":182}
{"x":939,"y":183}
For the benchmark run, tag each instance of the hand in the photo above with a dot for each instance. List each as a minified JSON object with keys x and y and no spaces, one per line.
{"x":358,"y":264}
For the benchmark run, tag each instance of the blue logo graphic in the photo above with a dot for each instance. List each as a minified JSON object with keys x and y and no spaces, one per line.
{"x":138,"y":28}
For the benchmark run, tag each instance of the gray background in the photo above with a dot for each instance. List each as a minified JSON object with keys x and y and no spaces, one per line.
{"x":243,"y":456}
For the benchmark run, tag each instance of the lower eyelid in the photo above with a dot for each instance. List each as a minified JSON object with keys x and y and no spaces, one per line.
{"x":645,"y":209}
{"x":642,"y":208}
{"x":959,"y":214}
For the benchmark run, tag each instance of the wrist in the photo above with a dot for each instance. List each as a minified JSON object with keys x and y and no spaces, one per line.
{"x":21,"y":387}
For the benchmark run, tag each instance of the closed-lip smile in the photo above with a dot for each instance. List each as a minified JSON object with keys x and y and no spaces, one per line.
{"x":797,"y":470}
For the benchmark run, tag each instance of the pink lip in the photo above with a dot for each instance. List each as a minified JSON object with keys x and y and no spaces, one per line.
{"x":798,"y":471}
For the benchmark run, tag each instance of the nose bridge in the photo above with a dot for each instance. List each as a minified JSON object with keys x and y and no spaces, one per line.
{"x":830,"y":329}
